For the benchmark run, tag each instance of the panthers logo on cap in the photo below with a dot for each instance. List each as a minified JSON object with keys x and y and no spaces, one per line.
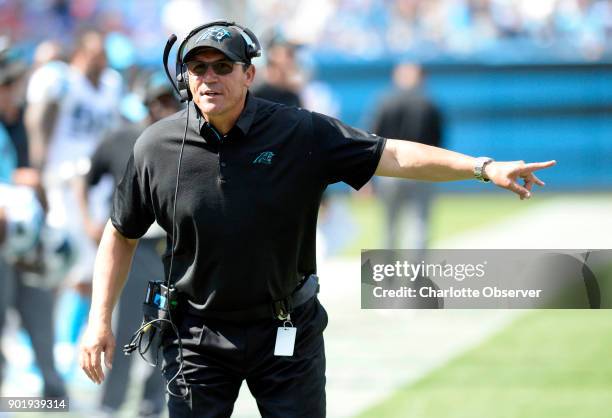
{"x":218,"y":34}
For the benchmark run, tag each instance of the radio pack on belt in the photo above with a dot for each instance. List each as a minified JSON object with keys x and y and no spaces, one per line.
{"x":156,"y":308}
{"x":159,"y":299}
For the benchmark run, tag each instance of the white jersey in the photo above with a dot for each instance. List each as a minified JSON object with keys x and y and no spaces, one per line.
{"x":85,"y":114}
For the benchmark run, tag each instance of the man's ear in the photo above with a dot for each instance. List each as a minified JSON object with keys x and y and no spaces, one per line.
{"x":250,"y":75}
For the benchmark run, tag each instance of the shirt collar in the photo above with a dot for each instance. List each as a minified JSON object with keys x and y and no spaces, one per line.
{"x":245,"y":120}
{"x":243,"y":124}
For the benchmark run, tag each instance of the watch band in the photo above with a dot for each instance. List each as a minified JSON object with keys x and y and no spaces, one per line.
{"x":479,"y":173}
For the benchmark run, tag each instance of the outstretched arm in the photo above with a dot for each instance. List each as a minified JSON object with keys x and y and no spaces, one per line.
{"x":417,"y":161}
{"x":111,"y":269}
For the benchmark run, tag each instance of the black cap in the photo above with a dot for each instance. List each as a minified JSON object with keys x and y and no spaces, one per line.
{"x":227,"y":39}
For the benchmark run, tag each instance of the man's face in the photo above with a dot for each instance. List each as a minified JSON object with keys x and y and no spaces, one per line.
{"x":95,"y":55}
{"x":217,"y":95}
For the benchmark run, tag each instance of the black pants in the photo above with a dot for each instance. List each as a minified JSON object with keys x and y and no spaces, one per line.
{"x":219,"y":355}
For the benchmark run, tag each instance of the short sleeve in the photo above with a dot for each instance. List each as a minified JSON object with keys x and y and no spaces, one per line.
{"x":132,"y":210}
{"x":47,"y":84}
{"x":348,"y":154}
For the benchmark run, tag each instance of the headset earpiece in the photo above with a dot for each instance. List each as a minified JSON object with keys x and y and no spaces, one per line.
{"x":253,"y":46}
{"x":182,"y":81}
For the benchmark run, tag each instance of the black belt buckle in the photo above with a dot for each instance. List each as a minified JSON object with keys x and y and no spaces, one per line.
{"x":281,"y":308}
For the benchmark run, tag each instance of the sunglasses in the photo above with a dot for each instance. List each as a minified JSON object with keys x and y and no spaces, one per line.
{"x":199,"y":68}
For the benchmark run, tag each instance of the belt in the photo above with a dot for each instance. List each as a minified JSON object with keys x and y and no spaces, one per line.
{"x":278,"y":309}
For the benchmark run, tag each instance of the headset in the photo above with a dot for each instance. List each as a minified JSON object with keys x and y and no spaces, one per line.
{"x":182,"y":79}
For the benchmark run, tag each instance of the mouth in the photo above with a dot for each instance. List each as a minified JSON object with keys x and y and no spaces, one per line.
{"x":211,"y":93}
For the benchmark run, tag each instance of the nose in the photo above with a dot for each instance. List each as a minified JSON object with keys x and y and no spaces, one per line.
{"x":209,"y":74}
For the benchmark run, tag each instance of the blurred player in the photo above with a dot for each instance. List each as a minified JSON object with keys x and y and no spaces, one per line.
{"x":70,"y":108}
{"x":407,"y":114}
{"x":110,"y":158}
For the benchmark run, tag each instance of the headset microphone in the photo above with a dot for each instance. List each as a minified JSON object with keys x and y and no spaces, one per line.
{"x":161,"y":297}
{"x":169,"y":44}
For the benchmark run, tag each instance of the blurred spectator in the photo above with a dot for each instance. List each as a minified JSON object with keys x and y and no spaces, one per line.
{"x":407,"y":114}
{"x":363,"y":28}
{"x":110,"y":158}
{"x":282,"y":79}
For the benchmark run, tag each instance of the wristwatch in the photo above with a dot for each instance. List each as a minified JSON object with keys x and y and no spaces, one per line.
{"x":479,"y":168}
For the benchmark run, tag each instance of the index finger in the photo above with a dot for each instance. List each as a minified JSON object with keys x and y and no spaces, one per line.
{"x":538,"y":166}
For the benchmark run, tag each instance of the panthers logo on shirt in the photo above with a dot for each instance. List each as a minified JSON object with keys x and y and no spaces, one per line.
{"x":218,"y":34}
{"x":264,"y":158}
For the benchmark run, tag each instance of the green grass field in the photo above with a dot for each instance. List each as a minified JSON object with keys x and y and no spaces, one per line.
{"x":451,"y":214}
{"x":549,"y":363}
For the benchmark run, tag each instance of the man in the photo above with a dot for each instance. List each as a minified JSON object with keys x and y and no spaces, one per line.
{"x":110,"y":158}
{"x":70,"y":108}
{"x":243,"y":236}
{"x":407,"y":114}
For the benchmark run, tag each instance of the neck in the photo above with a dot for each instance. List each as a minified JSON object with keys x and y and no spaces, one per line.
{"x":225,"y":122}
{"x":83,"y":68}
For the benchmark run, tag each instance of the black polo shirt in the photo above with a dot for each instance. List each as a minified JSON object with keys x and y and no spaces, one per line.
{"x":248,"y":201}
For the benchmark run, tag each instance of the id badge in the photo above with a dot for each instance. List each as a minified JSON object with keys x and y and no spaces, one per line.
{"x":285,"y":341}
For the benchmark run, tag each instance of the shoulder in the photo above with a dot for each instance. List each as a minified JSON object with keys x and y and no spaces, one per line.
{"x":53,"y":70}
{"x":267,"y":109}
{"x":48,"y":82}
{"x":321,"y":121}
